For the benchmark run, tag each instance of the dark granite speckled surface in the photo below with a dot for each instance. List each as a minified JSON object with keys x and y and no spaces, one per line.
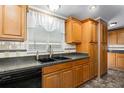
{"x":8,"y":65}
{"x":116,"y":51}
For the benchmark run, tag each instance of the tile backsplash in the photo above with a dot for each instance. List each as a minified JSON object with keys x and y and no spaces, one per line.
{"x":9,"y":45}
{"x":16,"y":49}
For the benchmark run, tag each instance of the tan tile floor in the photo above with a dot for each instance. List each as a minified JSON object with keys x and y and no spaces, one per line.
{"x":113,"y":79}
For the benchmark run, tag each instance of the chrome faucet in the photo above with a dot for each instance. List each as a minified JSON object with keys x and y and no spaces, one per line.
{"x":50,"y":51}
{"x":37,"y":55}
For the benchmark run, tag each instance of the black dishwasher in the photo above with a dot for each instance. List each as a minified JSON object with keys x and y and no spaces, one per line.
{"x":30,"y":78}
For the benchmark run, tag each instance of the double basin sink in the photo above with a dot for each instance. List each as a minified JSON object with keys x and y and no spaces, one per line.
{"x":44,"y":60}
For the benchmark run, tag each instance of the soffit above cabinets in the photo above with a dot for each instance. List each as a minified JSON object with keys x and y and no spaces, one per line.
{"x":82,"y":11}
{"x":106,"y":12}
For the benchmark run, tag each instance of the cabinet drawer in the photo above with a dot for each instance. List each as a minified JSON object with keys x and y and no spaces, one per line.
{"x":80,"y":62}
{"x":53,"y":68}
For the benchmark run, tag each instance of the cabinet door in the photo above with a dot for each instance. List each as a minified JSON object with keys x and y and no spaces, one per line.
{"x":68,"y":32}
{"x":13,"y":22}
{"x":76,"y":31}
{"x":111,"y":60}
{"x":86,"y":72}
{"x":51,"y":80}
{"x":93,"y":32}
{"x":1,"y":19}
{"x":120,"y":61}
{"x":78,"y":75}
{"x":121,"y":37}
{"x":103,"y":58}
{"x":112,"y":38}
{"x":103,"y":32}
{"x":96,"y":69}
{"x":92,"y":70}
{"x":67,"y":80}
{"x":93,"y":52}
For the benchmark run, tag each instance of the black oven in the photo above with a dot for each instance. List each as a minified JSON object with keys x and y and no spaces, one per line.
{"x":21,"y":79}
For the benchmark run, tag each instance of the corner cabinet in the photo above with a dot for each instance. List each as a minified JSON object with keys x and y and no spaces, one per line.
{"x":73,"y":31}
{"x":12,"y":22}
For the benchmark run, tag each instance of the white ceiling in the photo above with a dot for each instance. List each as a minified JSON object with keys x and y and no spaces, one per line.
{"x":107,"y":12}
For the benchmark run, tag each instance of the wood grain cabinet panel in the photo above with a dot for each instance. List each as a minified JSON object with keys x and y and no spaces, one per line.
{"x":78,"y":75}
{"x":86,"y":72}
{"x":120,"y":61}
{"x":93,"y":32}
{"x":111,"y":60}
{"x":67,"y":80}
{"x":112,"y":38}
{"x":120,"y":39}
{"x":92,"y":70}
{"x":51,"y":80}
{"x":70,"y":77}
{"x":13,"y":22}
{"x":73,"y":31}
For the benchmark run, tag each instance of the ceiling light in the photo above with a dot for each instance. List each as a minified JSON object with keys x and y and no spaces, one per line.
{"x":53,"y":7}
{"x":113,"y":24}
{"x":92,"y":7}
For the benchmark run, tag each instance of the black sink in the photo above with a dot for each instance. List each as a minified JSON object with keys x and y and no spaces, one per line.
{"x":61,"y":58}
{"x":46,"y":60}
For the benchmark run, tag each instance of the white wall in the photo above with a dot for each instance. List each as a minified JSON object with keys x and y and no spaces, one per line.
{"x":119,"y":18}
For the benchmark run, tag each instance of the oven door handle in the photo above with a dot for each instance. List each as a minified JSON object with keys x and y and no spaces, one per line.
{"x":4,"y":78}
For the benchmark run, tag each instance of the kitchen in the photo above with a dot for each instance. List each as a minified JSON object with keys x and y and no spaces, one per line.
{"x":49,"y":46}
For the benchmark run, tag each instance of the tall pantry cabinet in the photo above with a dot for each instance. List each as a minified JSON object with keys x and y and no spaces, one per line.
{"x":93,"y":33}
{"x":102,"y":31}
{"x":89,"y":44}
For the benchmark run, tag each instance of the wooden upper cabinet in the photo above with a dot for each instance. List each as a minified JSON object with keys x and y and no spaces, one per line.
{"x":112,"y":38}
{"x":12,"y":22}
{"x":73,"y":31}
{"x":88,"y":34}
{"x":94,"y":32}
{"x":89,"y":30}
{"x":103,"y":31}
{"x":120,"y":37}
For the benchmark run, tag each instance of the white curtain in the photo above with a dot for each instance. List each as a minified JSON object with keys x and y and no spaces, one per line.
{"x":49,"y":23}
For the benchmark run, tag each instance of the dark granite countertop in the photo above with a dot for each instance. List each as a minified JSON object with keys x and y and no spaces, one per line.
{"x":116,"y":51}
{"x":8,"y":65}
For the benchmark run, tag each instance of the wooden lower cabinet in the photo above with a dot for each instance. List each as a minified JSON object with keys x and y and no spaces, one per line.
{"x":120,"y":61}
{"x":72,"y":76}
{"x":111,"y":60}
{"x":78,"y":75}
{"x":51,"y":80}
{"x":86,"y":72}
{"x":92,"y":70}
{"x":67,"y":79}
{"x":96,"y":68}
{"x":116,"y":61}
